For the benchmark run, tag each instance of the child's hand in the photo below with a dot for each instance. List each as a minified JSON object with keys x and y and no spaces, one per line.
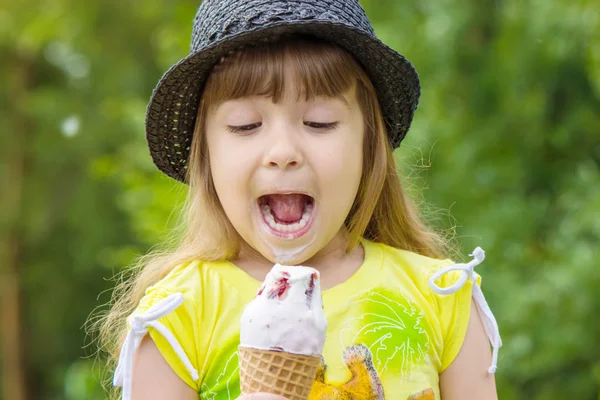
{"x":260,"y":396}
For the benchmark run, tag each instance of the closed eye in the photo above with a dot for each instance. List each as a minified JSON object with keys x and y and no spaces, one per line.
{"x":244,"y":128}
{"x":321,"y":126}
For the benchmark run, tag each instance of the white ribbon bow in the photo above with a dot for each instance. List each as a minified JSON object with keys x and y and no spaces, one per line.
{"x":139,"y":324}
{"x":468,"y":272}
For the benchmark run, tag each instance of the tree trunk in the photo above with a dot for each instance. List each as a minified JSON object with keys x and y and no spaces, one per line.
{"x":14,"y":370}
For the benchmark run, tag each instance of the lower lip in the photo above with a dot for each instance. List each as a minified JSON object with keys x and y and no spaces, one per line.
{"x":288,"y":235}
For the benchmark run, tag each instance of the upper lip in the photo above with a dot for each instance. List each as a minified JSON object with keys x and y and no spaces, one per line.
{"x":286,"y":191}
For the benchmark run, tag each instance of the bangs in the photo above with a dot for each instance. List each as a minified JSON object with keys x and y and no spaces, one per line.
{"x":316,"y":69}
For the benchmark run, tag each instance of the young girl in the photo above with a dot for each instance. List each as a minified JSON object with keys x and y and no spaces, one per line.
{"x":282,"y":121}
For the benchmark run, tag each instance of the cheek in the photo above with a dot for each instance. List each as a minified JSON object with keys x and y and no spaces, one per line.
{"x":227,"y":164}
{"x":231,"y":169}
{"x":218,"y":163}
{"x":224,"y":178}
{"x":341,"y":172}
{"x":229,"y":190}
{"x":343,"y":162}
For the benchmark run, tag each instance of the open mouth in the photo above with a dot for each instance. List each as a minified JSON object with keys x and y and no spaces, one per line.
{"x":287,"y":215}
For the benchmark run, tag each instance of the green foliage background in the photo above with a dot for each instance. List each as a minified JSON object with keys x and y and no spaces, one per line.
{"x":507,"y":137}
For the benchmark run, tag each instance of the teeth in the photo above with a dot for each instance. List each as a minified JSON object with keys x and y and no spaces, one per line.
{"x":306,"y":214}
{"x":266,"y":210}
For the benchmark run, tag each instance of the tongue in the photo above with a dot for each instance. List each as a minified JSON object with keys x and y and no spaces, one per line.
{"x":287,"y":207}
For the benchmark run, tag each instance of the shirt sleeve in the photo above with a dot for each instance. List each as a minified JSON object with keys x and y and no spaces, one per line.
{"x":174,"y":334}
{"x":454,"y":312}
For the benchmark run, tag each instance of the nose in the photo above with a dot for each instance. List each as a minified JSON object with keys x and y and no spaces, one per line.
{"x":283,"y":150}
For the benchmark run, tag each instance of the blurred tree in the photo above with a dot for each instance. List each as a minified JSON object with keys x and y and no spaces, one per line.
{"x":507,"y":136}
{"x":510,"y":117}
{"x":14,"y":173}
{"x":75,"y":77}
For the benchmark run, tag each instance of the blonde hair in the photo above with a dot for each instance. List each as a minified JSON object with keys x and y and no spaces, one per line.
{"x":381,"y":211}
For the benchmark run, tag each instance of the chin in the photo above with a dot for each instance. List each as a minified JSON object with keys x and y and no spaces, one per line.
{"x":288,"y":253}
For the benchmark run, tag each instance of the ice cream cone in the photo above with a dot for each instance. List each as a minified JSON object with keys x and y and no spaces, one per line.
{"x":285,"y":374}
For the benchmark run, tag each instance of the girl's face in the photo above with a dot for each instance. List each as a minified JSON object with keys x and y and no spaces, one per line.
{"x":286,"y":174}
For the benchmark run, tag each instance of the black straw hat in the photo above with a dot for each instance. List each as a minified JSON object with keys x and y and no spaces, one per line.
{"x":221,"y":26}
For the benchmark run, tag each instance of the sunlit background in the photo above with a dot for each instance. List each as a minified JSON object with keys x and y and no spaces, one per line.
{"x":505,"y":147}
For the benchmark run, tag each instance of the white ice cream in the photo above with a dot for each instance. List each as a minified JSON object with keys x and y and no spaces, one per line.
{"x":287,"y":313}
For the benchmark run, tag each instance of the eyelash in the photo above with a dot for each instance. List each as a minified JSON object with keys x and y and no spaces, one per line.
{"x":243,"y":128}
{"x":324,"y":126}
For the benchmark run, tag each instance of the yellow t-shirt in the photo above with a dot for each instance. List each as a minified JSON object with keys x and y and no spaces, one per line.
{"x":388,"y":334}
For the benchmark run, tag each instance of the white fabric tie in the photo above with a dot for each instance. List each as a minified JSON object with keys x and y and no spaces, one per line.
{"x":489,"y":321}
{"x":139,"y":324}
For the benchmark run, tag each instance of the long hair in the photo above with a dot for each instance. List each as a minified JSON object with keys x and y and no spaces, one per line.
{"x":381,"y":211}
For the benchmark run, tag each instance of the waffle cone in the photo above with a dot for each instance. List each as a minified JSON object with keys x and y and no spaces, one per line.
{"x":276,"y":372}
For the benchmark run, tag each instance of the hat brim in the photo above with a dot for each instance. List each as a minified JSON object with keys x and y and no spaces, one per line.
{"x":172,"y":110}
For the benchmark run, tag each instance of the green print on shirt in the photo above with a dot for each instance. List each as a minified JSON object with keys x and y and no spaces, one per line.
{"x":391,"y":326}
{"x":222,"y":380}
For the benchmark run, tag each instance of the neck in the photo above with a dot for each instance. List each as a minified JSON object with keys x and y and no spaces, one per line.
{"x":333,"y":262}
